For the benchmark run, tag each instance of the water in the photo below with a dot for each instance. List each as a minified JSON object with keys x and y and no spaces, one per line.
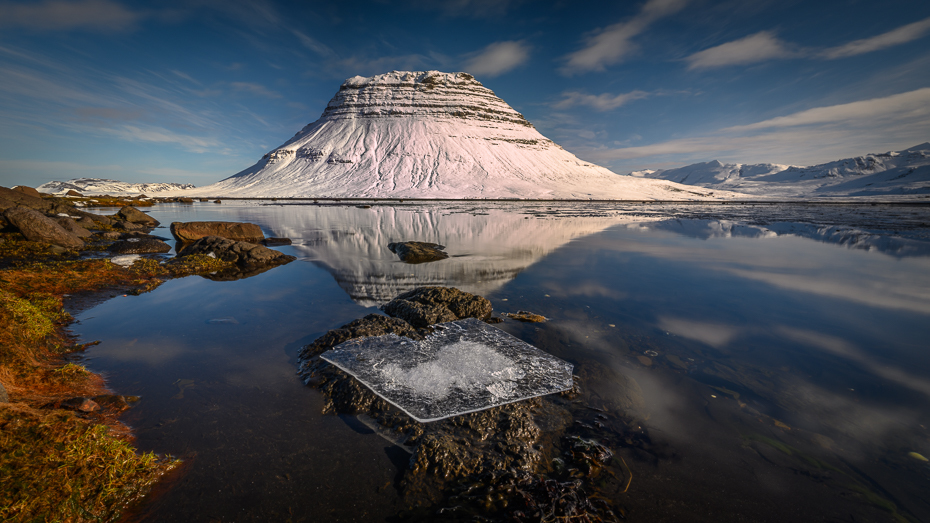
{"x":781,"y":353}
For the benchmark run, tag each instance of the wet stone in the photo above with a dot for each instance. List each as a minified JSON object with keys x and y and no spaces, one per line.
{"x":139,"y":246}
{"x":418,"y":252}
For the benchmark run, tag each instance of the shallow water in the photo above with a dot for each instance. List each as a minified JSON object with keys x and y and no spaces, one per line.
{"x":781,"y":352}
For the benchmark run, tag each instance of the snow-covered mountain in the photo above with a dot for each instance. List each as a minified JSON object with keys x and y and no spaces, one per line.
{"x":101,"y":186}
{"x":430,"y":135}
{"x":902,"y":173}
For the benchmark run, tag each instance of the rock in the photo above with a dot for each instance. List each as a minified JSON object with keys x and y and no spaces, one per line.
{"x":418,"y":252}
{"x":192,"y":231}
{"x":37,"y":227}
{"x":21,"y":198}
{"x":72,"y":226}
{"x":72,"y":192}
{"x":217,"y":201}
{"x":28,"y":190}
{"x":109,"y":235}
{"x":4,"y":397}
{"x":243,"y":254}
{"x":133,"y":215}
{"x":139,"y":246}
{"x":270,"y":242}
{"x":425,"y":306}
{"x":129,"y":226}
{"x":112,"y":401}
{"x":525,"y":316}
{"x":80,"y":404}
{"x":186,"y":200}
{"x":96,"y":218}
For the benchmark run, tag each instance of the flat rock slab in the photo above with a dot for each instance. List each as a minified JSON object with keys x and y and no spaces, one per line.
{"x":193,"y":231}
{"x":418,"y":252}
{"x":464,"y":366}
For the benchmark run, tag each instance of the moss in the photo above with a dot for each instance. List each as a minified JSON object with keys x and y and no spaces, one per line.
{"x":60,"y":467}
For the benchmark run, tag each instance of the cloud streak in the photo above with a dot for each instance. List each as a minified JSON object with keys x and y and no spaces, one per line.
{"x":601,"y":102}
{"x":759,"y":47}
{"x":57,"y":15}
{"x":901,"y":35}
{"x":612,"y":44}
{"x":498,"y":58}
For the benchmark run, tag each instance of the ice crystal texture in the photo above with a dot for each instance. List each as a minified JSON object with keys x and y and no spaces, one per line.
{"x":465,"y":366}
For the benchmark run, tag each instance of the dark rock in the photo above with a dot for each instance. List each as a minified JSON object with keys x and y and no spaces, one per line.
{"x":243,"y":254}
{"x":21,"y":198}
{"x":139,"y":246}
{"x":186,"y":200}
{"x":35,"y":226}
{"x":129,"y":226}
{"x":80,"y":404}
{"x":72,"y":192}
{"x":270,"y":242}
{"x":425,"y":306}
{"x":86,"y":222}
{"x":97,"y":218}
{"x":4,"y":397}
{"x":109,"y":235}
{"x":133,"y":215}
{"x":72,"y":226}
{"x":192,"y":231}
{"x":28,"y":190}
{"x":371,"y":325}
{"x":112,"y":401}
{"x":525,"y":316}
{"x":217,"y":201}
{"x":418,"y":252}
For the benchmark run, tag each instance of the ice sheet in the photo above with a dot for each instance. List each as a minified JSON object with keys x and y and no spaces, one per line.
{"x":466,"y":366}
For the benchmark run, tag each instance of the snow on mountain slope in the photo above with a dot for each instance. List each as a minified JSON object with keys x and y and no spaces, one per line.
{"x":101,"y":186}
{"x":903,"y":173}
{"x":430,"y":135}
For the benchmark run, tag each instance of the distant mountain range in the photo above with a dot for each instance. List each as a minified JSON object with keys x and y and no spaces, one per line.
{"x":101,"y":186}
{"x":904,"y":172}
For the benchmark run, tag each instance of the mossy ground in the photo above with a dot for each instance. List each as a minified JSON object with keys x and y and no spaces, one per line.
{"x":58,"y":464}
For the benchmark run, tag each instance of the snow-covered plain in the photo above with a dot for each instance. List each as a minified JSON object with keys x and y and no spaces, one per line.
{"x":896,"y":173}
{"x":101,"y":186}
{"x":431,"y":135}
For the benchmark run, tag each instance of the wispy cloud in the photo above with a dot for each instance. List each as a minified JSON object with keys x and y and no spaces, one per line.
{"x":892,"y":38}
{"x":802,"y":138}
{"x":764,"y":46}
{"x":601,"y":102}
{"x":759,"y":47}
{"x":314,"y":45}
{"x":152,"y":134}
{"x":498,"y":58}
{"x":55,"y":15}
{"x":255,"y":89}
{"x":614,"y":43}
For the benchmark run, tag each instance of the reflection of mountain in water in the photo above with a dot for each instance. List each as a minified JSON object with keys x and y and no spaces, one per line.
{"x":887,"y":242}
{"x":488,"y":247}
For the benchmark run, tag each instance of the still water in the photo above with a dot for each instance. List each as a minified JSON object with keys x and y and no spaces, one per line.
{"x":779,"y":355}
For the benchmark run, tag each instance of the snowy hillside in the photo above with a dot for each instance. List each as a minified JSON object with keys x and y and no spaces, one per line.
{"x":430,"y":135}
{"x":101,"y":186}
{"x":899,"y":173}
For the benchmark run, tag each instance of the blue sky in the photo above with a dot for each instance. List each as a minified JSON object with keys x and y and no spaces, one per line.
{"x":196,"y":91}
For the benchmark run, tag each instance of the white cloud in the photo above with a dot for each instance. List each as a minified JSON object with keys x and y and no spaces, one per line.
{"x":751,"y":49}
{"x":100,"y":15}
{"x":497,"y":58}
{"x":154,"y":134}
{"x":897,"y":36}
{"x":601,"y":102}
{"x":806,"y":137}
{"x":253,"y":88}
{"x":613,"y":43}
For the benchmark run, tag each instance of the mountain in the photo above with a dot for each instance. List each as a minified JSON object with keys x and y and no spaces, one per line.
{"x":101,"y":186}
{"x":901,"y":173}
{"x":430,"y":135}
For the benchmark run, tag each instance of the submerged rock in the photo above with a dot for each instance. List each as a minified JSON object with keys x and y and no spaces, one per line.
{"x":37,"y":227}
{"x":525,"y":316}
{"x":418,"y":252}
{"x":193,"y":231}
{"x":244,"y":254}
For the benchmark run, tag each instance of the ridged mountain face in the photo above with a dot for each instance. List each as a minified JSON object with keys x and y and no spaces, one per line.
{"x":429,"y":135}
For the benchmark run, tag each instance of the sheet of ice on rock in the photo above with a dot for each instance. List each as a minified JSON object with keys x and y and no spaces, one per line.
{"x":465,"y":366}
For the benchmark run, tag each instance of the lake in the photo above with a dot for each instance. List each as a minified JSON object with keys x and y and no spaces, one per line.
{"x":780,"y":354}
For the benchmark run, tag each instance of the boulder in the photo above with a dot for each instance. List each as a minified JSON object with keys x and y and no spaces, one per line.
{"x":418,"y":252}
{"x":28,"y":190}
{"x":37,"y":227}
{"x":269,"y":242}
{"x":72,"y":226}
{"x":185,"y":200}
{"x":243,"y":254}
{"x":97,"y":218}
{"x":425,"y":306}
{"x":193,"y":231}
{"x":21,"y":198}
{"x":129,"y":226}
{"x":139,"y":246}
{"x":133,"y":215}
